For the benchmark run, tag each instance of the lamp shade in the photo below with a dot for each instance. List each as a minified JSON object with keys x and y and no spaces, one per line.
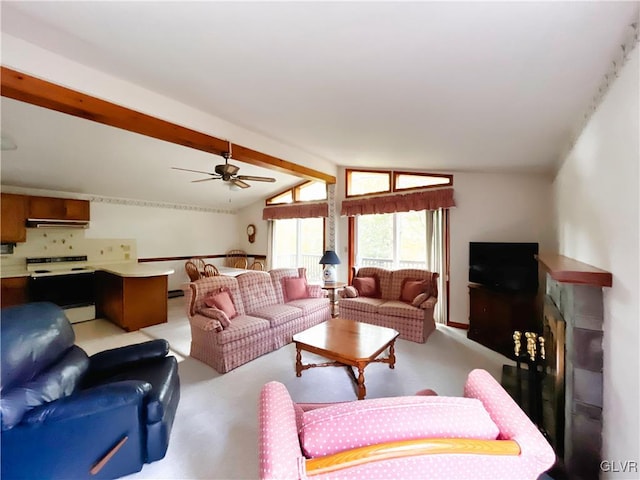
{"x":329,"y":258}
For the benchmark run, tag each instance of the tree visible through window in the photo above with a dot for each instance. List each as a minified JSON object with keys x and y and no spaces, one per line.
{"x":395,"y":240}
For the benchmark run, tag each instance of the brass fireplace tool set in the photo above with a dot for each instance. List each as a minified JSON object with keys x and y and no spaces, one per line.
{"x":535,"y":359}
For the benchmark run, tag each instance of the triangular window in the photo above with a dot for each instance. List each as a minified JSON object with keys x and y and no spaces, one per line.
{"x":411,"y":180}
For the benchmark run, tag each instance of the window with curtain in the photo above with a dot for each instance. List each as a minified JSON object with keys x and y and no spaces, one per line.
{"x":299,"y":242}
{"x":392,"y":240}
{"x":414,"y":239}
{"x":400,"y":220}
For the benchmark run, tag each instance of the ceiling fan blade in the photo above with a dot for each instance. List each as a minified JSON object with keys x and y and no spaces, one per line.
{"x":239,"y":183}
{"x":255,"y":179}
{"x":189,"y":170}
{"x":205,"y":179}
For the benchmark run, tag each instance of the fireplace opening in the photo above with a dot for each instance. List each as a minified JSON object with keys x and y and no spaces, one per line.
{"x":553,"y":376}
{"x":537,"y":381}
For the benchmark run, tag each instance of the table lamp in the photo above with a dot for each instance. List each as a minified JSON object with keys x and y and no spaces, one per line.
{"x":329,"y":260}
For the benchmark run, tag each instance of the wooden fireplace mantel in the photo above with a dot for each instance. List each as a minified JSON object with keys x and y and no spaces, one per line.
{"x":567,"y":270}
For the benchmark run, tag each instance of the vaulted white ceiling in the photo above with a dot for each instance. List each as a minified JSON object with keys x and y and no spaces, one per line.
{"x":481,"y":86}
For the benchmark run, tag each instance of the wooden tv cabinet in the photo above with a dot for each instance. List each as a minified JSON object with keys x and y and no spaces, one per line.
{"x":495,"y":315}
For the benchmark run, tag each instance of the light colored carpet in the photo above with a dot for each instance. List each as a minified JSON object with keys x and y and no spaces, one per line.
{"x":97,"y":335}
{"x":216,"y":427}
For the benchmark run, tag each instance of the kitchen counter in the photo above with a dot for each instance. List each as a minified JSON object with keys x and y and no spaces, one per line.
{"x":12,"y":272}
{"x":123,"y":269}
{"x":131,"y":269}
{"x":130,"y":294}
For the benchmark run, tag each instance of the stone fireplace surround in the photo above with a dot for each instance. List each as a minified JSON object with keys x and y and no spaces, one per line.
{"x":575,"y":290}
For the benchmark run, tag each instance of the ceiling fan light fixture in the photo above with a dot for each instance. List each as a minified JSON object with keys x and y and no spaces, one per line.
{"x":228,"y":173}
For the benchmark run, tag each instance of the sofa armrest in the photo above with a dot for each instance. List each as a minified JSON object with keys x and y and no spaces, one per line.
{"x":280,"y":452}
{"x":109,"y":359}
{"x":512,"y":422}
{"x":429,"y":303}
{"x":401,"y":449}
{"x":90,"y":402}
{"x":206,"y":324}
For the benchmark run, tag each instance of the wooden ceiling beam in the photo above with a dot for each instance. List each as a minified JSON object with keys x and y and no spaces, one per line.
{"x":42,"y":93}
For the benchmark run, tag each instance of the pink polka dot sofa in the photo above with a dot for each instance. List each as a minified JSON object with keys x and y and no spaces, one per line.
{"x":237,"y":319}
{"x":483,"y":435}
{"x":400,"y":299}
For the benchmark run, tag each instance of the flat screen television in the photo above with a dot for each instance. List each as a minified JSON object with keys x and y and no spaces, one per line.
{"x":503,"y":266}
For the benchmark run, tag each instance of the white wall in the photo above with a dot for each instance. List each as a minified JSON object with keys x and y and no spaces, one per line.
{"x":597,"y":210}
{"x":166,"y":232}
{"x":252,"y":214}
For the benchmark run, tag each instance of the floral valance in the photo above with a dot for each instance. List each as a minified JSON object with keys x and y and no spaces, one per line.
{"x":426,"y":200}
{"x":296,"y":210}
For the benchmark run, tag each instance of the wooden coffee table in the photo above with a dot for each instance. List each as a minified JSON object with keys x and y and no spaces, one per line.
{"x":348,"y":344}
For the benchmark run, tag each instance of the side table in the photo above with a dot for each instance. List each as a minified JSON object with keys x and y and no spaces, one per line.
{"x":333,"y":288}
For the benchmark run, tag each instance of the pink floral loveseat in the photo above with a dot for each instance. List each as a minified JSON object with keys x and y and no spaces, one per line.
{"x":236,"y":319}
{"x":400,"y":299}
{"x":483,"y":435}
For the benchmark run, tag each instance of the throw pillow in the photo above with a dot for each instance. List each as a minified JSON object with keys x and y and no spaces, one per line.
{"x":366,"y":286}
{"x":216,"y":314}
{"x":411,"y":289}
{"x":393,"y":419}
{"x":295,"y":288}
{"x":222,"y":301}
{"x":421,"y":297}
{"x":350,"y":292}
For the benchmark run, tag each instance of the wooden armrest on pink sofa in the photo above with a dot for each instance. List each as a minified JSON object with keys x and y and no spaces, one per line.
{"x":408,"y":448}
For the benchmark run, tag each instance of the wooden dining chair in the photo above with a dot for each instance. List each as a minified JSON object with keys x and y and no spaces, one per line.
{"x":192,"y":270}
{"x":236,"y":259}
{"x":240,"y":263}
{"x":210,"y":270}
{"x":199,"y":263}
{"x":257,"y":265}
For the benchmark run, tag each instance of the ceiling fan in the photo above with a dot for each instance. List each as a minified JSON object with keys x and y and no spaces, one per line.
{"x":228,"y":173}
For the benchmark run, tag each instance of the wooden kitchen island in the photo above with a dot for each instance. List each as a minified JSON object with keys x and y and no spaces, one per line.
{"x":131,"y":295}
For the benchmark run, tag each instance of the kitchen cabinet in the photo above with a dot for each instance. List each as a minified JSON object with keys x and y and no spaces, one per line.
{"x":14,"y":214}
{"x":14,"y":291}
{"x":51,"y":208}
{"x":132,"y":302}
{"x":494,"y":316}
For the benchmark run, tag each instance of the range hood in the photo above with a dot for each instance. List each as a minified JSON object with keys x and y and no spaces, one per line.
{"x":50,"y":223}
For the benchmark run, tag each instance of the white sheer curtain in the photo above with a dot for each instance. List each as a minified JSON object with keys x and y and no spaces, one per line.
{"x":437,"y":258}
{"x":269,"y":259}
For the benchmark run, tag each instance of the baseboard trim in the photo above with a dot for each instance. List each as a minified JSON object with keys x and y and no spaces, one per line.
{"x":463,"y":326}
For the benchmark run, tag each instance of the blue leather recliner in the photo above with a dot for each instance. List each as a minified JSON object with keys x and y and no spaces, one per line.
{"x":66,"y":415}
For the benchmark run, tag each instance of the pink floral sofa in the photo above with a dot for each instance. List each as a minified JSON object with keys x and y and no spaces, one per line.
{"x":400,"y":299}
{"x":236,"y":319}
{"x":483,"y":435}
